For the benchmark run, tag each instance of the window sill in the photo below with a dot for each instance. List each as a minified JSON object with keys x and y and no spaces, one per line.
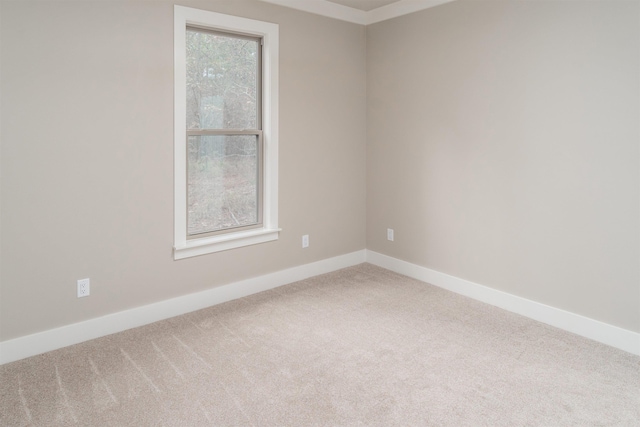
{"x":224,"y":242}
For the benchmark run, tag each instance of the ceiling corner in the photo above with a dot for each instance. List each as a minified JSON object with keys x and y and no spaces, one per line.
{"x":356,"y":16}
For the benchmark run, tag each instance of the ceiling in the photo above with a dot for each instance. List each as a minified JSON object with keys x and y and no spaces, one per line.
{"x":362,"y":12}
{"x":365,"y":5}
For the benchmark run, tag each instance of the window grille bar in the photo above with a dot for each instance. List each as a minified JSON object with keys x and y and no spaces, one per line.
{"x":204,"y":132}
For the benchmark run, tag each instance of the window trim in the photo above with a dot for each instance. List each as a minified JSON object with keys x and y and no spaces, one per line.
{"x":188,"y":247}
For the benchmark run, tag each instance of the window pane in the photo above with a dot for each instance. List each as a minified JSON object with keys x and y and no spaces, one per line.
{"x":222,"y":76}
{"x":222,"y":182}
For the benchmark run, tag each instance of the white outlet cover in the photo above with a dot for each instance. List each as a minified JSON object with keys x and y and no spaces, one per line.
{"x":390,"y":234}
{"x":84,"y":288}
{"x":305,"y":241}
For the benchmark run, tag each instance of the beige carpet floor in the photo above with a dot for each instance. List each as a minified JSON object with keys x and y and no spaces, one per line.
{"x":360,"y":346}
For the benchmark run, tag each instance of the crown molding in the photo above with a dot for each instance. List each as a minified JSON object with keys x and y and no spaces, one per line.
{"x":356,"y":16}
{"x":325,"y":8}
{"x":403,"y":7}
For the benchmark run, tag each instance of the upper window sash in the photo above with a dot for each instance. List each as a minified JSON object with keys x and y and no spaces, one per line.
{"x":205,"y":76}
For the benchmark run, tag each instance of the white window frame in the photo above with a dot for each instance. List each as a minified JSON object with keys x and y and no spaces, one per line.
{"x":268,"y":32}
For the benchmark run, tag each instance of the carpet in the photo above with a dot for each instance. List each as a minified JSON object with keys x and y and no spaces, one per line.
{"x":359,"y":346}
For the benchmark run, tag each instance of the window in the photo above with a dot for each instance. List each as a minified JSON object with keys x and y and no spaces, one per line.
{"x":226,"y":134}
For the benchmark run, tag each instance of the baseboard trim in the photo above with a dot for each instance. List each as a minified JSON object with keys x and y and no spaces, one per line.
{"x":31,"y":345}
{"x":53,"y":339}
{"x":589,"y":328}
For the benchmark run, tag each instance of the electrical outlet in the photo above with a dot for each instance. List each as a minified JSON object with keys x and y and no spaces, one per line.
{"x":305,"y":241}
{"x":84,"y":288}
{"x":390,"y":234}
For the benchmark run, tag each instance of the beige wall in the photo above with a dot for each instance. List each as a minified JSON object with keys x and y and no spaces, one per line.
{"x":87,"y":156}
{"x":503,"y":148}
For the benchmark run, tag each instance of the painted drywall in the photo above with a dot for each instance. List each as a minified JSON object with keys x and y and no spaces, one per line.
{"x":87,"y":156}
{"x":503,"y":148}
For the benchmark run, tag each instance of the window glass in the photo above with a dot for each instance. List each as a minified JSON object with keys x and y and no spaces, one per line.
{"x":223,"y":182}
{"x":222,"y":81}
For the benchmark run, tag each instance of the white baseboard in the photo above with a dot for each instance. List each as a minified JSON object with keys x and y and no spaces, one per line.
{"x":31,"y":345}
{"x":589,"y":328}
